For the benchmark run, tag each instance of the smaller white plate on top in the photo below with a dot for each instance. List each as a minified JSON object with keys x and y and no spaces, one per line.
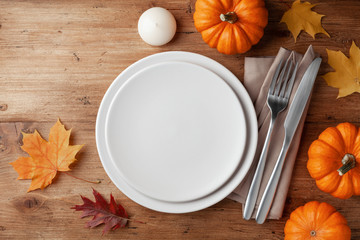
{"x":175,"y":131}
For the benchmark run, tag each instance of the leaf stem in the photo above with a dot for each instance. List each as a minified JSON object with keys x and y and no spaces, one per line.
{"x":137,"y":221}
{"x":97,"y":182}
{"x":285,"y":3}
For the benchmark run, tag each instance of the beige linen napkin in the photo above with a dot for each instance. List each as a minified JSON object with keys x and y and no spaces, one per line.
{"x":258,"y":74}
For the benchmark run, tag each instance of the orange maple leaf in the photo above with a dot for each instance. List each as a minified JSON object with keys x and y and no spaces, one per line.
{"x":46,"y":157}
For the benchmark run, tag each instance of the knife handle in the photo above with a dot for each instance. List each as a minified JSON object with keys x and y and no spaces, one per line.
{"x":270,"y":190}
{"x":255,"y":184}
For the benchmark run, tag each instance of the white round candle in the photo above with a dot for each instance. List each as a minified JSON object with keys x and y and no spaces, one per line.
{"x":157,"y":26}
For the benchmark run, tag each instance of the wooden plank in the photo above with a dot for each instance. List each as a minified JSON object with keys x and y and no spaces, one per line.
{"x":57,"y":60}
{"x":51,"y":207}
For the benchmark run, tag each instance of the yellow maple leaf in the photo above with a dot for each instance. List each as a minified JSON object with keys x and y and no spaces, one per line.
{"x":300,"y":17}
{"x":347,"y":71}
{"x":46,"y":157}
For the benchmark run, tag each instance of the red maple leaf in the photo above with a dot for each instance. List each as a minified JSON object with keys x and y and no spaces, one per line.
{"x":111,"y":214}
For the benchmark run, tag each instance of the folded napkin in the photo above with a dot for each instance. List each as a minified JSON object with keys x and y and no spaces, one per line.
{"x":258,"y":73}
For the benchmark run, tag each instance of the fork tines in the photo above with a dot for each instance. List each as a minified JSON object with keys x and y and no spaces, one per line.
{"x":283,"y":87}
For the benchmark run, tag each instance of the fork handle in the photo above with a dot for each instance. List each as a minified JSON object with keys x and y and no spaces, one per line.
{"x":255,"y":184}
{"x":270,"y":190}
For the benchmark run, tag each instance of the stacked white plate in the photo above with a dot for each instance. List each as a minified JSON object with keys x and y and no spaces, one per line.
{"x":176,"y":132}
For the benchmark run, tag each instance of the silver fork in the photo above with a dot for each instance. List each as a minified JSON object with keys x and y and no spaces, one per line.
{"x":277,"y":100}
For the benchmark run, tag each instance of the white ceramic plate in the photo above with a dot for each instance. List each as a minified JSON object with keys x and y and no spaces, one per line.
{"x":175,"y":131}
{"x":206,"y":198}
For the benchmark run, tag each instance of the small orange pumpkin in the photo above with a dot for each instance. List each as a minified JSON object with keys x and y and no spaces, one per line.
{"x":231,"y":26}
{"x":334,"y":161}
{"x":316,"y":221}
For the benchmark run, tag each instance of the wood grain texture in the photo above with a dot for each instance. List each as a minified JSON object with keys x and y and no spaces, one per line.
{"x":57,"y":60}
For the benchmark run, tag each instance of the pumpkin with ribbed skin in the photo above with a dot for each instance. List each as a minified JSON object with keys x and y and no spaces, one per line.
{"x":316,"y":221}
{"x":231,"y":26}
{"x":334,"y":161}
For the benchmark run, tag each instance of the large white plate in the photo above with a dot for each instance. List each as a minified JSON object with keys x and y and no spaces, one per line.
{"x":177,"y":206}
{"x":175,"y":131}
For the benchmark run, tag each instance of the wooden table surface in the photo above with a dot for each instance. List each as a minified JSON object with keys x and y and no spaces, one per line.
{"x":57,"y":59}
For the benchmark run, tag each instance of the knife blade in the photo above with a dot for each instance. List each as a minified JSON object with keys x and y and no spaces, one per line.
{"x":291,"y":123}
{"x":301,"y":97}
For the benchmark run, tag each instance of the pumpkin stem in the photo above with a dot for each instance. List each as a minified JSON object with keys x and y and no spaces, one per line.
{"x":349,"y":162}
{"x":229,"y":17}
{"x":313,"y":233}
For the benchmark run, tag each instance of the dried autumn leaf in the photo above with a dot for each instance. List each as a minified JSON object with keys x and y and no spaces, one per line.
{"x":46,"y":157}
{"x":111,"y":214}
{"x":300,"y":17}
{"x":347,"y":71}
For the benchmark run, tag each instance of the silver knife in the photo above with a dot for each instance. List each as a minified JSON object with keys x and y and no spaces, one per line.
{"x":291,"y":123}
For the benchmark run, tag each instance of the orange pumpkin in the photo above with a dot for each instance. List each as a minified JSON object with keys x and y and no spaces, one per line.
{"x":334,"y":161}
{"x":316,"y":221}
{"x":231,"y":26}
